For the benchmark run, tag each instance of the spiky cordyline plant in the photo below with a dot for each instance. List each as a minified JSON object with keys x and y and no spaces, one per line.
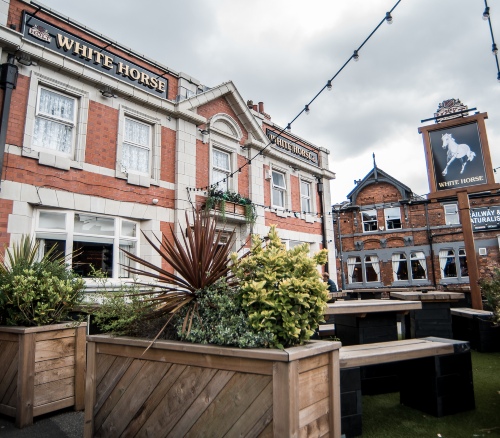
{"x":199,"y":259}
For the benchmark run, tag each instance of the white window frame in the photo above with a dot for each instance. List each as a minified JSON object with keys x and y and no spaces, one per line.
{"x":415,"y":256}
{"x":152,"y":177}
{"x":457,"y":255}
{"x":451,"y":214}
{"x":50,"y":157}
{"x":224,"y":186}
{"x":354,"y":262}
{"x":370,"y":222}
{"x":69,"y":235}
{"x":389,"y":217}
{"x":306,"y":197}
{"x":147,"y":147}
{"x":375,"y":264}
{"x":280,"y":189}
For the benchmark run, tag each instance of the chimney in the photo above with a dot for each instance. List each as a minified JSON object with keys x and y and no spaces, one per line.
{"x":255,"y":107}
{"x":261,"y":107}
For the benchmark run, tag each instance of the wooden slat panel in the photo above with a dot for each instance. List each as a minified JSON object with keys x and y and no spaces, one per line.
{"x":139,"y":389}
{"x":313,"y":362}
{"x":313,"y":386}
{"x":114,"y":396}
{"x":54,"y":391}
{"x":256,"y":417}
{"x":112,"y":377}
{"x":193,"y":359}
{"x":202,"y":402}
{"x":7,"y":410}
{"x":8,"y":366}
{"x":231,"y":403}
{"x":9,"y":337}
{"x":55,"y":334}
{"x":177,"y":401}
{"x":52,"y":364}
{"x":268,"y":432}
{"x":25,"y":381}
{"x":285,"y":403}
{"x":54,"y":406}
{"x":10,"y":395}
{"x":80,"y":365}
{"x":154,"y":400}
{"x":369,"y":306}
{"x":104,"y":362}
{"x":316,"y":428}
{"x":55,"y":374}
{"x":53,"y":349}
{"x":313,"y":412}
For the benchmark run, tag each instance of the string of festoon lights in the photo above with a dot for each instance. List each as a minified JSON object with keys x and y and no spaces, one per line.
{"x":328,"y":86}
{"x":494,"y":48}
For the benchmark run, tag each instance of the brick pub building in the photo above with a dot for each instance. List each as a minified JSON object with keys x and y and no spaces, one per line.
{"x":391,"y":238}
{"x":100,"y":143}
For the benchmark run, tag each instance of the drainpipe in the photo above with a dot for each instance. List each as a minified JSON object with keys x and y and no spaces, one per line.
{"x":341,"y":255}
{"x":430,"y":239}
{"x":8,"y":82}
{"x":321,"y":212}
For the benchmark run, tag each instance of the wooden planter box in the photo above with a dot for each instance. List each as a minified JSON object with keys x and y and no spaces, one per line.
{"x":42,"y":370}
{"x":182,"y":389}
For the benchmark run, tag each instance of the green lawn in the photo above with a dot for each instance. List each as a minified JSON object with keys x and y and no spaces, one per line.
{"x":384,"y":417}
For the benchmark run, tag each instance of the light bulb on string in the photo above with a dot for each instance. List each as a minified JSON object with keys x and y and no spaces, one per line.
{"x":307,"y":110}
{"x":355,"y":56}
{"x":289,"y":127}
{"x":388,"y":18}
{"x":329,"y":85}
{"x":498,"y":76}
{"x":494,"y":49}
{"x":486,"y":13}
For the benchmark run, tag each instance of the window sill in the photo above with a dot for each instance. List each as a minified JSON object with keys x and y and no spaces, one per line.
{"x":47,"y":158}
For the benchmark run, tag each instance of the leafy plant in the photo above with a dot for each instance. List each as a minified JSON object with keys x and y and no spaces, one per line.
{"x":199,"y":258}
{"x":221,"y":320}
{"x":490,"y":289}
{"x":220,"y":197}
{"x":281,"y":289}
{"x":36,"y":292}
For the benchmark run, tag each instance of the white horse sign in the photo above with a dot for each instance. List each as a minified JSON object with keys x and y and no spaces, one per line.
{"x":457,"y":156}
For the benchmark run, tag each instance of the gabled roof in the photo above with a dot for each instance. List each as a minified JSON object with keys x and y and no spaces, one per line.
{"x":238,"y":105}
{"x":377,"y":175}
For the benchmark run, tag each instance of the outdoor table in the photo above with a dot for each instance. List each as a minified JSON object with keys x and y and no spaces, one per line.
{"x":378,"y":292}
{"x":367,"y":322}
{"x":434,"y":318}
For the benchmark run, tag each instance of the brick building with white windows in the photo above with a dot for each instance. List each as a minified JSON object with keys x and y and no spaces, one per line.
{"x":100,"y":143}
{"x":392,"y":238}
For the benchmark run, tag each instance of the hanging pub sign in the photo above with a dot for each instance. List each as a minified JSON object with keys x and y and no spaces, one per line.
{"x":458,"y":157}
{"x":92,"y":56}
{"x":485,"y":218}
{"x":292,"y":148}
{"x":456,"y":151}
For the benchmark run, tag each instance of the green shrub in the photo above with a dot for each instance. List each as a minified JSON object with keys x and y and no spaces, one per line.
{"x":38,"y":294}
{"x":282,"y":290}
{"x":219,"y":319}
{"x":490,"y":289}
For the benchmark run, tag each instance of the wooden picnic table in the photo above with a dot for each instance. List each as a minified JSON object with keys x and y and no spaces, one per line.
{"x":434,"y":319}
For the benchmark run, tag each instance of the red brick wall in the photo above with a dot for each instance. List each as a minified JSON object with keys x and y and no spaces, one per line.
{"x":28,"y":171}
{"x":202,"y":166}
{"x":168,"y":156}
{"x":243,"y":178}
{"x":17,"y":116}
{"x":221,"y":105}
{"x":295,"y":193}
{"x":102,"y":132}
{"x":5,"y":210}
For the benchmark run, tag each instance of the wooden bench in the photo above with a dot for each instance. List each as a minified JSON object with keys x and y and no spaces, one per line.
{"x":475,"y":326}
{"x":435,"y":376}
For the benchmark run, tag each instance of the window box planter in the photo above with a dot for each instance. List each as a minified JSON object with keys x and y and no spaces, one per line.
{"x":42,"y":369}
{"x":183,"y":389}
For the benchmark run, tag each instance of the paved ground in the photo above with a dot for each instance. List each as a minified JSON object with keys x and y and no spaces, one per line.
{"x":63,"y":424}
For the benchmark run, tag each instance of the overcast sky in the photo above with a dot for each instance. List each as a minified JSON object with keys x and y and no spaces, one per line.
{"x":282,"y":52}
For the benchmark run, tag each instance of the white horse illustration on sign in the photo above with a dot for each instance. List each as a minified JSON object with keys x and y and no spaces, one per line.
{"x":455,"y":150}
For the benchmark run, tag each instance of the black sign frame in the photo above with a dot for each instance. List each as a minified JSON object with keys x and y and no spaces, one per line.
{"x":50,"y":36}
